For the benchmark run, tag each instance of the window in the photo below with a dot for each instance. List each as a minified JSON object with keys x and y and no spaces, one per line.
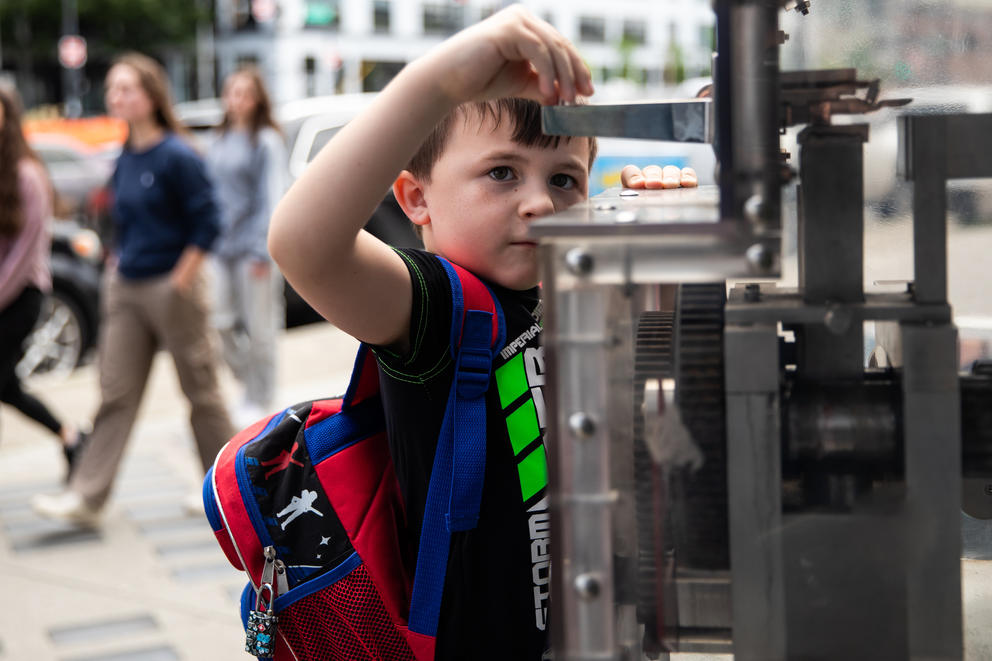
{"x":243,"y":18}
{"x":443,"y":20}
{"x":310,"y":76}
{"x":324,"y":14}
{"x":380,"y":16}
{"x":634,"y":32}
{"x":246,"y":61}
{"x":707,"y":37}
{"x":592,"y":29}
{"x":375,"y":75}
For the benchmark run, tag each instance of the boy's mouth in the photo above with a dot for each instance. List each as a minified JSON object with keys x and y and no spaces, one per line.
{"x":523,"y":243}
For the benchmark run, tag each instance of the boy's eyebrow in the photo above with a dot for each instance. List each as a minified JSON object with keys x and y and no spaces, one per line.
{"x":504,"y":156}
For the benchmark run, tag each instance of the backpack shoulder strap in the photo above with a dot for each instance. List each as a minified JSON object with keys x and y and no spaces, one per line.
{"x":478,"y":332}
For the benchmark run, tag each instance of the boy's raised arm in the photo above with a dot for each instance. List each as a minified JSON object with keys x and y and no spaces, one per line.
{"x":355,"y":281}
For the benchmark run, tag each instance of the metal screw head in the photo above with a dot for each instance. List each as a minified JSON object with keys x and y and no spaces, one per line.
{"x":581,"y":424}
{"x":754,"y":209}
{"x":837,"y":319}
{"x":760,"y":258}
{"x":578,"y":261}
{"x":588,"y":586}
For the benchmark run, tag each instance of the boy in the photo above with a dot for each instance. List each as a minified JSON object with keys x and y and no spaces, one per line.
{"x":471,"y":176}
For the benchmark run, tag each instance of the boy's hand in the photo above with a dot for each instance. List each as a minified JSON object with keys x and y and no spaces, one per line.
{"x":654,"y":176}
{"x":511,"y":53}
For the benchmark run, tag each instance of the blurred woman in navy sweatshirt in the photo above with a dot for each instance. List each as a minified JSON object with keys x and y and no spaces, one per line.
{"x":155,"y":294}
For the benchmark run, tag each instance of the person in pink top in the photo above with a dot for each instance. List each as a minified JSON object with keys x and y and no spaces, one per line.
{"x":25,"y":207}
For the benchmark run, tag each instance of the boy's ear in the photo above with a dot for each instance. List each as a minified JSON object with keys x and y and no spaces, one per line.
{"x":409,"y":192}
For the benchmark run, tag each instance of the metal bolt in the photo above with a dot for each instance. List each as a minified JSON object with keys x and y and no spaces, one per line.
{"x":754,"y":209}
{"x":581,"y":424}
{"x":588,"y":586}
{"x":752,"y":292}
{"x":837,"y":319}
{"x":625,"y":217}
{"x":760,"y":258}
{"x":579,"y":261}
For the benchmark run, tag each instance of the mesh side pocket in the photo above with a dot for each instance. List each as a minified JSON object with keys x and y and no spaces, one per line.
{"x":346,"y":621}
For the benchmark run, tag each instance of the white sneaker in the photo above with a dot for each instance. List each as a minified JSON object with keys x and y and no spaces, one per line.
{"x":67,"y":507}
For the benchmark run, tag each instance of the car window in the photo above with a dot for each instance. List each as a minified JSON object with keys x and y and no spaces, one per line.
{"x":320,"y":139}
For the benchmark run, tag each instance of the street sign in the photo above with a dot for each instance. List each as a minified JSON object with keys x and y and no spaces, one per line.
{"x":72,"y":51}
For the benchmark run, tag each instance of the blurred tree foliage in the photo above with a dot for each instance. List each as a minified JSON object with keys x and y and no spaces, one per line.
{"x":109,"y":26}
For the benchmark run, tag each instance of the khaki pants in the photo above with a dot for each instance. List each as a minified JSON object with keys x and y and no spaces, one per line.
{"x":139,"y":317}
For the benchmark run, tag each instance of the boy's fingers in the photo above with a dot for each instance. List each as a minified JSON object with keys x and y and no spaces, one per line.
{"x":671,"y":176}
{"x":559,"y":48}
{"x":653,"y":177}
{"x":688,"y":179}
{"x":533,"y":49}
{"x":631,"y":177}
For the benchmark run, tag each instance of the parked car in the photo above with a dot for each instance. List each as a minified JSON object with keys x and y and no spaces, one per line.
{"x":79,"y":155}
{"x":309,"y":124}
{"x":67,"y":328}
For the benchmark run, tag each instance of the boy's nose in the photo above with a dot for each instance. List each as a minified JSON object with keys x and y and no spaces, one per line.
{"x":536,"y":202}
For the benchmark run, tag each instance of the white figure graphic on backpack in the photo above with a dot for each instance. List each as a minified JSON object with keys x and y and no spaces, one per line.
{"x":299,"y":505}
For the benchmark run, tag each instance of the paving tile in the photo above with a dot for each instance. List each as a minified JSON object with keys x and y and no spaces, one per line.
{"x":57,"y":538}
{"x":172,"y":526}
{"x":102,"y":630}
{"x":203,"y":546}
{"x":198,"y":572}
{"x":162,"y":653}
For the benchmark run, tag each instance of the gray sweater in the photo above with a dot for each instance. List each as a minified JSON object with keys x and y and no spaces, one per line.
{"x":250,"y":178}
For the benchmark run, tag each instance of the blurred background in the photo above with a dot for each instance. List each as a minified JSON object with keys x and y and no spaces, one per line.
{"x":322,"y":61}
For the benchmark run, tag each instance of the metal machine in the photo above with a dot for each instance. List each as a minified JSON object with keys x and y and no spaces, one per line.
{"x":727,"y":472}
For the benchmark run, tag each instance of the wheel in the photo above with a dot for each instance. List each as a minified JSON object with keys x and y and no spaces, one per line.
{"x":56,"y":344}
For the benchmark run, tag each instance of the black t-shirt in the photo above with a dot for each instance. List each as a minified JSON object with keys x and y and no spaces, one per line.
{"x":496,"y":588}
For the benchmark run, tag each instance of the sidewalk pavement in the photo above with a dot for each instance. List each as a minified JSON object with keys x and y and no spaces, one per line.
{"x":152,"y":583}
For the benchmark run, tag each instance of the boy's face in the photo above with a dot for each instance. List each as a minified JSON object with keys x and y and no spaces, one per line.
{"x":485,"y":190}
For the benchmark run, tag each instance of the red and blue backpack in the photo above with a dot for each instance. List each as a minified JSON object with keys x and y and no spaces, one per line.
{"x":307,"y":503}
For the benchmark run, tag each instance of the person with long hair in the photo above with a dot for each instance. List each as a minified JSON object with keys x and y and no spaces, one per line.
{"x":25,"y":238}
{"x":155,"y":294}
{"x":248,"y":163}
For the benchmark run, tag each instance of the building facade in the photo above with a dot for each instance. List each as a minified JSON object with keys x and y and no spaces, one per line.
{"x":313,"y":47}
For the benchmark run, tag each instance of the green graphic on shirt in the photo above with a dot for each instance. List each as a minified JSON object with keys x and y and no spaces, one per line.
{"x":533,"y":473}
{"x":511,"y":380}
{"x":519,"y":382}
{"x":522,"y":426}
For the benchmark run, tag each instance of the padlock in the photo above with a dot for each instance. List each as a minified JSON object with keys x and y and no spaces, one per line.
{"x":261,"y":627}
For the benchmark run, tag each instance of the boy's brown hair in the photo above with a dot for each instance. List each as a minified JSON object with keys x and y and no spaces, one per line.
{"x":524,"y":115}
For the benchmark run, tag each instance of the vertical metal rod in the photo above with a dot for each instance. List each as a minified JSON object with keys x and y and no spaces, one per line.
{"x":754,"y":478}
{"x":928,"y":151}
{"x":932,"y":424}
{"x":582,"y":598}
{"x":70,"y":77}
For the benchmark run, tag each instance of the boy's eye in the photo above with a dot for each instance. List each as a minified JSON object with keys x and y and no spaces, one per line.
{"x":564,"y":181}
{"x":500,"y":173}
